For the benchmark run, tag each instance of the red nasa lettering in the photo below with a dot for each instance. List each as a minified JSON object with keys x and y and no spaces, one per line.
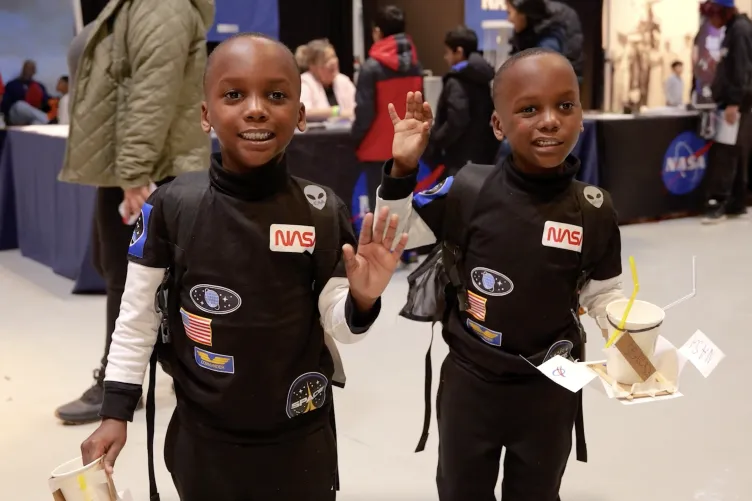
{"x":562,"y":236}
{"x":287,"y":238}
{"x":559,"y":234}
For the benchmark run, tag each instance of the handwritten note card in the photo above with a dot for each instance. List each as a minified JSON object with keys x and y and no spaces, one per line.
{"x":702,"y":352}
{"x":564,"y":372}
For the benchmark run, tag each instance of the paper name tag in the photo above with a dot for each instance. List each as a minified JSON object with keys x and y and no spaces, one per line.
{"x":564,"y":372}
{"x":702,"y":352}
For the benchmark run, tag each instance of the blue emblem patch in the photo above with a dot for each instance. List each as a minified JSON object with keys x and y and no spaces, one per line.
{"x":140,"y":232}
{"x":214,"y":362}
{"x":484,"y":333}
{"x":215,"y":299}
{"x":685,"y":163}
{"x":307,"y":393}
{"x":562,"y":348}
{"x":438,"y":191}
{"x":491,"y":282}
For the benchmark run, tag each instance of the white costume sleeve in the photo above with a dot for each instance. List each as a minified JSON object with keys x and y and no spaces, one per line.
{"x":137,"y":326}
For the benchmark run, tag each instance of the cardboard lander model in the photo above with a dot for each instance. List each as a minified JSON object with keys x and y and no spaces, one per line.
{"x":641,"y":365}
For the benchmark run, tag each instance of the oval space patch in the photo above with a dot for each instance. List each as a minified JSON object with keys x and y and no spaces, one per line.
{"x":307,"y":393}
{"x":490,"y":282}
{"x":215,"y":299}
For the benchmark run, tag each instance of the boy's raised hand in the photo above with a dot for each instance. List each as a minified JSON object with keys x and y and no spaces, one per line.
{"x":410,"y":134}
{"x":370,"y":269}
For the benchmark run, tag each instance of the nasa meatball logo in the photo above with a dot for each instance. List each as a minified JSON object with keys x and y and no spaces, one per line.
{"x":215,"y":299}
{"x":307,"y":393}
{"x":562,"y":348}
{"x":491,"y":282}
{"x":685,"y":163}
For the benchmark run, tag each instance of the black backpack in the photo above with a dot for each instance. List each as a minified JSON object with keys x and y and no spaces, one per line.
{"x":326,"y":256}
{"x":439,"y":283}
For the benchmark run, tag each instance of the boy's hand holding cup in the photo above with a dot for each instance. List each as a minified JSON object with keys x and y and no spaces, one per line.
{"x":410,"y":134}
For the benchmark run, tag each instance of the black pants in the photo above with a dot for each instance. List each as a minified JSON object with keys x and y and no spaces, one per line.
{"x":532,"y":418}
{"x":205,"y":469}
{"x":727,"y":168}
{"x":110,"y":254}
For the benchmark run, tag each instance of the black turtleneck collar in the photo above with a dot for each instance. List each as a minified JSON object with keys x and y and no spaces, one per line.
{"x":546,"y":183}
{"x":255,"y":184}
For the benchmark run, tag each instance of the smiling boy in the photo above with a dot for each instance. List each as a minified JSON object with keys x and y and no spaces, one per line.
{"x":524,"y":278}
{"x":249,"y":314}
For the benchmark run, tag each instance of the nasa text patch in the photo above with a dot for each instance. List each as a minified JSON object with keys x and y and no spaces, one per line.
{"x":214,"y":361}
{"x":140,"y":232}
{"x":292,"y":238}
{"x":215,"y":299}
{"x":562,"y":236}
{"x":491,"y":282}
{"x":307,"y":393}
{"x":484,"y":333}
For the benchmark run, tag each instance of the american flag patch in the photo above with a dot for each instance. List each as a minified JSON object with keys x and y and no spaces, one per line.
{"x":197,"y":328}
{"x":477,"y":306}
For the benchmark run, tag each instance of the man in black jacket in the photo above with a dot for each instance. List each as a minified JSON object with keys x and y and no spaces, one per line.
{"x":547,"y":24}
{"x":462,"y":131}
{"x":732,"y":91}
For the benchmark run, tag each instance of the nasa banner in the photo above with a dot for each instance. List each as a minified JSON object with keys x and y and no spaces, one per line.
{"x":237,"y":16}
{"x":707,"y":54}
{"x":477,"y":11}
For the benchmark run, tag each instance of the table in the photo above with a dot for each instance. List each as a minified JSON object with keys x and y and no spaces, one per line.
{"x":654,"y":167}
{"x":51,"y":222}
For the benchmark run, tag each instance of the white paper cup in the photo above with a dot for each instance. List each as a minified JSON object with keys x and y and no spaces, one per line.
{"x":644,"y":324}
{"x":71,"y":476}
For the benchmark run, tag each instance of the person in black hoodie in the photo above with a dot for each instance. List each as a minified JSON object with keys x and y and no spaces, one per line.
{"x":547,"y":24}
{"x":462,"y":131}
{"x":732,"y":92}
{"x":391,"y":71}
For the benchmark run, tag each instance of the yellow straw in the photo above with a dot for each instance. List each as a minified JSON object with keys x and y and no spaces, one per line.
{"x":635,"y":290}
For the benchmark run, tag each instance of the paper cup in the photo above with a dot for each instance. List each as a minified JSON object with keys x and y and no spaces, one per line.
{"x":645,"y":318}
{"x":82,"y":483}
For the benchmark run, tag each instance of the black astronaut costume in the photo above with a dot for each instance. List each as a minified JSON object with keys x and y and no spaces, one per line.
{"x":250,"y":361}
{"x":522,"y":258}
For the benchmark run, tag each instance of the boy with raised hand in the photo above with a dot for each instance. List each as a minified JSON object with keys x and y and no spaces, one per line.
{"x":522,"y":271}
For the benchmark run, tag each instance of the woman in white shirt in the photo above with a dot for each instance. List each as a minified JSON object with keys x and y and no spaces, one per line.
{"x":326,"y":93}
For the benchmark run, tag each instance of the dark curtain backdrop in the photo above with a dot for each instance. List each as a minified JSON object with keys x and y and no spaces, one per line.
{"x":301,"y":21}
{"x":591,"y":17}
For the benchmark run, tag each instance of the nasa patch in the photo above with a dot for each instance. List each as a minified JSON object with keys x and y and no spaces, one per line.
{"x":307,"y":393}
{"x":215,"y":299}
{"x":562,"y":348}
{"x":685,"y":163}
{"x":485,"y":334}
{"x":140,"y":232}
{"x":214,"y":361}
{"x":491,"y":282}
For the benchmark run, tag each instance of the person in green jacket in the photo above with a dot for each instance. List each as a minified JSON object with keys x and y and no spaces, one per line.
{"x":135,"y":122}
